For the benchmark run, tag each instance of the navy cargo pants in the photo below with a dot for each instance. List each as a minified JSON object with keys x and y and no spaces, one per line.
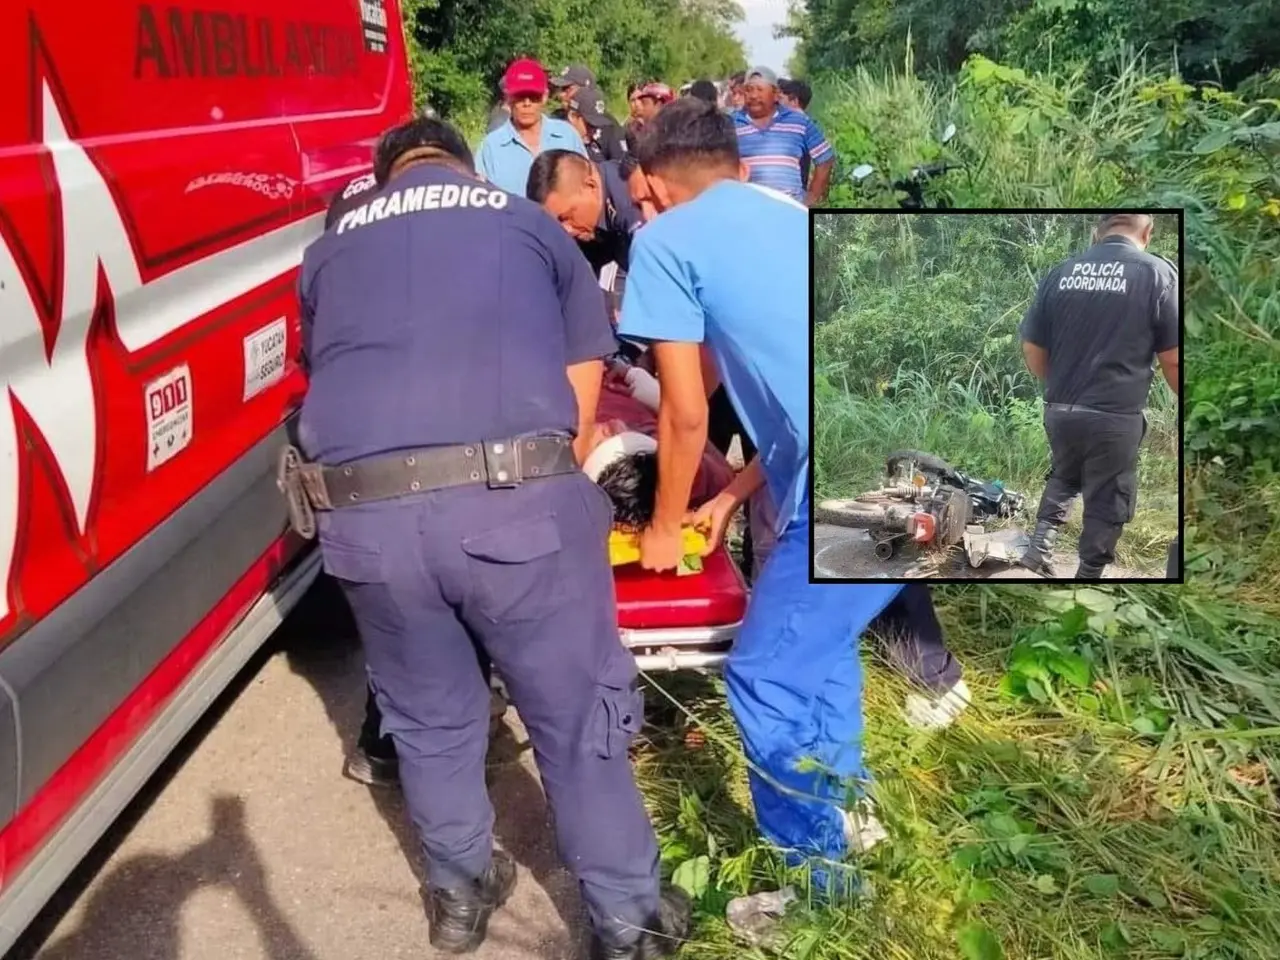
{"x":525,"y":571}
{"x":1094,"y":454}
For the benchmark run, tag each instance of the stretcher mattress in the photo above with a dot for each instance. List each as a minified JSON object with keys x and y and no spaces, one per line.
{"x":716,"y":597}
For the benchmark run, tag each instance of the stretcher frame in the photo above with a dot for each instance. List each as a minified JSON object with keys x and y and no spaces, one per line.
{"x":698,"y":647}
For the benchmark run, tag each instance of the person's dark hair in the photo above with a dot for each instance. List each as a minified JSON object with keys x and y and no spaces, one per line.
{"x":548,"y":170}
{"x":632,"y":484}
{"x":432,"y":138}
{"x":704,"y":90}
{"x":688,"y":132}
{"x":632,"y":88}
{"x":799,"y":90}
{"x":738,"y":79}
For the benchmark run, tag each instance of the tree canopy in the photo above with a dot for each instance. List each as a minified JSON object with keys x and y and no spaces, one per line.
{"x":459,"y":48}
{"x":1211,"y":40}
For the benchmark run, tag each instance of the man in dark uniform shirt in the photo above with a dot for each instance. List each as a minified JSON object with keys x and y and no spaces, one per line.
{"x":348,"y":198}
{"x":1097,"y":324}
{"x":601,"y":134}
{"x":442,"y":446}
{"x":593,"y":203}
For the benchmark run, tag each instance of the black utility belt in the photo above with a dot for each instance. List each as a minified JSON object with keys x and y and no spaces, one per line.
{"x":499,"y":464}
{"x":1080,"y":408}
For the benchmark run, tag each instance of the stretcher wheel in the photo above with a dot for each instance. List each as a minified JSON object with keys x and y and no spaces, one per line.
{"x":885,"y":549}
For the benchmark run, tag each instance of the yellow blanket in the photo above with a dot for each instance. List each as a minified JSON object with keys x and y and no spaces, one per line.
{"x":624,"y":548}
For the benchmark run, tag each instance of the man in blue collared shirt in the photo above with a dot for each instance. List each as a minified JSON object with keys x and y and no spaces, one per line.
{"x":507,"y":153}
{"x":773,"y":138}
{"x":793,"y":677}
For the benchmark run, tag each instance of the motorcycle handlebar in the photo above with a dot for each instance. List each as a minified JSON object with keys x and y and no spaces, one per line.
{"x":922,"y":173}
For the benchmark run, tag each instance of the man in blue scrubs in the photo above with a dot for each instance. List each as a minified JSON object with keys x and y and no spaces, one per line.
{"x":793,"y":677}
{"x":507,"y":153}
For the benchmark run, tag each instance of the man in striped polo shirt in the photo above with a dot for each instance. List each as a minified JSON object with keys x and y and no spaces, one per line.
{"x":772,"y":139}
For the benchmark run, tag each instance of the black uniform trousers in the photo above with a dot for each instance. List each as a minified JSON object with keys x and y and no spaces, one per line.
{"x":1094,"y":455}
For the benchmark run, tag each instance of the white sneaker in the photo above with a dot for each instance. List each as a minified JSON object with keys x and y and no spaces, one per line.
{"x":862,"y":830}
{"x":937,"y":711}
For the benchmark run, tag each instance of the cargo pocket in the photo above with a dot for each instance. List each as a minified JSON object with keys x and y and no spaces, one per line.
{"x":1126,"y":497}
{"x":619,"y":717}
{"x":351,"y":562}
{"x":517,"y":571}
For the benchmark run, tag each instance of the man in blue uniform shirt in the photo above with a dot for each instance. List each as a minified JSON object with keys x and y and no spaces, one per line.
{"x":443,"y":438}
{"x":793,"y":676}
{"x":507,"y":152}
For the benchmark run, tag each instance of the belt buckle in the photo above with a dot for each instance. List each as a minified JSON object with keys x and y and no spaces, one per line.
{"x":502,"y":464}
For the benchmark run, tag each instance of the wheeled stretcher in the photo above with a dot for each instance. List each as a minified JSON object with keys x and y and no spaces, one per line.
{"x":673,"y":622}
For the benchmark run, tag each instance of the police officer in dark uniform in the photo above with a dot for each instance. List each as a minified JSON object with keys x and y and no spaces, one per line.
{"x":601,"y":134}
{"x":454,"y":335}
{"x":1097,"y":324}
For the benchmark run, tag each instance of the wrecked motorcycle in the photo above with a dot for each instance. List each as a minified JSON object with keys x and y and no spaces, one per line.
{"x":928,"y":502}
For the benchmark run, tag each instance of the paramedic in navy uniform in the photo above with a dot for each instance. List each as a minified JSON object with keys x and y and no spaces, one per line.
{"x":1098,"y":323}
{"x":455,"y":333}
{"x":372,"y":761}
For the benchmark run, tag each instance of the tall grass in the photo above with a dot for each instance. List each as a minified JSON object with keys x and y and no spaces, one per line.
{"x":1001,"y":439}
{"x":1114,"y":791}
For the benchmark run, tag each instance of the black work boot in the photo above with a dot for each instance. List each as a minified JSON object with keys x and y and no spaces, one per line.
{"x":1090,"y":571}
{"x":663,"y":934}
{"x":373,"y":763}
{"x":1039,"y":554}
{"x":459,"y":919}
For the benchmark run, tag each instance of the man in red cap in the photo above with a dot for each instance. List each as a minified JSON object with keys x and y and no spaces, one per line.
{"x":507,"y":153}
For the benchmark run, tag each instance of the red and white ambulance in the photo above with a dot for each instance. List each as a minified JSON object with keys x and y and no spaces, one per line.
{"x":162,"y":168}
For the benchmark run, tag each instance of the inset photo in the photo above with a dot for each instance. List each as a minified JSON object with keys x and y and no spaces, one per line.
{"x":996,"y":395}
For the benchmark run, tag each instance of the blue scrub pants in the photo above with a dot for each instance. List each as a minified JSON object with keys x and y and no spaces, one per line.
{"x":524,"y":574}
{"x":795,"y":686}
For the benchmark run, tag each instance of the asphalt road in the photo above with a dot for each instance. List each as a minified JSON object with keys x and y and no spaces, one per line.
{"x":250,"y":844}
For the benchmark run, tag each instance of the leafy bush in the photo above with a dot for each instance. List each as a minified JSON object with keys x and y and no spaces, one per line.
{"x":1036,"y":140}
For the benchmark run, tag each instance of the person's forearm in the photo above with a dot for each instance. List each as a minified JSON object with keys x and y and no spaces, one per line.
{"x":586,"y":380}
{"x":1170,"y":368}
{"x":818,"y":183}
{"x":681,"y":440}
{"x":749,"y":479}
{"x":1037,"y":359}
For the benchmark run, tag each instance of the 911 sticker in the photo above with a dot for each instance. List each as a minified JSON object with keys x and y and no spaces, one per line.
{"x":168,"y":401}
{"x":373,"y":18}
{"x":264,"y":357}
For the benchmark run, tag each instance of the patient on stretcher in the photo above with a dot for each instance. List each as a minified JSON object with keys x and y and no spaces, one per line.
{"x":623,"y":458}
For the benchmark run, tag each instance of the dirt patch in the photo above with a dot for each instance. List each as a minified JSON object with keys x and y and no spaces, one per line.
{"x":847,"y":552}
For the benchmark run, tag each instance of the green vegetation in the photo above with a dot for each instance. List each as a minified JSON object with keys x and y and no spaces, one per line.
{"x":1111,"y":793}
{"x":916,"y":347}
{"x":459,"y":48}
{"x":1219,"y":42}
{"x":1115,"y":791}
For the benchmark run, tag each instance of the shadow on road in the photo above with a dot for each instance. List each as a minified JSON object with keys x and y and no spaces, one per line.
{"x":151,"y":890}
{"x":321,"y":644}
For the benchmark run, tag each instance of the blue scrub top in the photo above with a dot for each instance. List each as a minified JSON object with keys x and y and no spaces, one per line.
{"x":504,"y":159}
{"x":440,"y":311}
{"x":731,"y":269}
